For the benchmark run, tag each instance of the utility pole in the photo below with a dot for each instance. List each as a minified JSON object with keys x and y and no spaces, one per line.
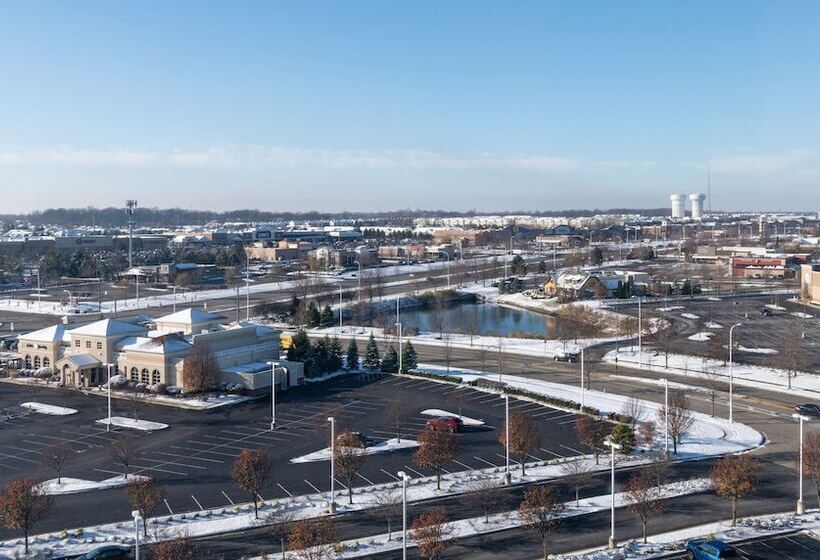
{"x":130,"y":209}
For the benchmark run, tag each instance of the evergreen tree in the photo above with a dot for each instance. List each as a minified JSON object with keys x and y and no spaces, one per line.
{"x":390,"y":361}
{"x":352,"y":355}
{"x":335,"y":358}
{"x":542,"y":267}
{"x":409,"y":359}
{"x":596,"y":257}
{"x":293,"y":308}
{"x":371,"y":359}
{"x":301,"y":351}
{"x":321,"y":355}
{"x":313,"y":316}
{"x":326,"y":319}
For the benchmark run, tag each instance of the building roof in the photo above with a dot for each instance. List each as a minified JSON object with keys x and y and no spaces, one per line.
{"x":164,"y":344}
{"x":190,"y":316}
{"x":82,"y":361}
{"x":55,"y":333}
{"x":108,"y":327}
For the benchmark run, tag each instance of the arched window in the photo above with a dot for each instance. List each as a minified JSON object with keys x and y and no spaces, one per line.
{"x":36,"y":362}
{"x":144,"y":376}
{"x":28,"y":362}
{"x":155,"y":377}
{"x":46,"y":362}
{"x":135,"y":374}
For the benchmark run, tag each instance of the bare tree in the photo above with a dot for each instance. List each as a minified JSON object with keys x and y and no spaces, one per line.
{"x":634,"y":410}
{"x":645,"y":434}
{"x":659,"y":468}
{"x":280,"y":521}
{"x":577,"y":473}
{"x":313,"y":539}
{"x":733,"y":477}
{"x":448,"y":350}
{"x":395,"y":415}
{"x":123,"y":452}
{"x":540,"y":511}
{"x":523,"y":438}
{"x":430,"y":531}
{"x":179,"y":548}
{"x":664,"y":338}
{"x":252,"y":472}
{"x":199,"y":371}
{"x":591,"y":432}
{"x":436,"y":447}
{"x":388,"y":506}
{"x":794,"y":358}
{"x":57,"y":457}
{"x":23,"y":504}
{"x":811,"y":460}
{"x":145,"y":496}
{"x":643,"y":498}
{"x":482,"y":494}
{"x":350,"y":456}
{"x":679,"y":418}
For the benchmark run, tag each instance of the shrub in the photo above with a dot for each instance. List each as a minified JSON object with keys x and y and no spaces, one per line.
{"x":436,"y":376}
{"x":624,"y":435}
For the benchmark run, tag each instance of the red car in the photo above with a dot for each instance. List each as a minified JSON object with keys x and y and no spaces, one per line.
{"x":446,"y":424}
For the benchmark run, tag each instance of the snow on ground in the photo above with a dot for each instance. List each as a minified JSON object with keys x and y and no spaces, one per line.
{"x":198,"y":402}
{"x":78,"y":485}
{"x":714,"y":299}
{"x":437,"y":412}
{"x":801,"y":315}
{"x":134,"y":424}
{"x":49,"y":409}
{"x":381,"y":447}
{"x":689,"y":316}
{"x":765,"y":351}
{"x":672,"y":308}
{"x":462,"y":528}
{"x":701,"y":336}
{"x":775,"y":307}
{"x":745,"y":375}
{"x":712,"y":325}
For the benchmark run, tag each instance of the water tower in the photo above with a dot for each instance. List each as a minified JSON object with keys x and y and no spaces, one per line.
{"x":678,"y":205}
{"x":697,"y":205}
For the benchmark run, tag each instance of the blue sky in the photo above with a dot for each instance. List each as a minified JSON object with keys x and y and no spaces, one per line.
{"x":380,"y":105}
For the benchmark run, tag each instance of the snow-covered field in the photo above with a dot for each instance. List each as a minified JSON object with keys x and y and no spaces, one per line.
{"x":745,"y":375}
{"x":466,"y":420}
{"x":381,"y":447}
{"x":134,"y":424}
{"x":78,"y":485}
{"x":49,"y":409}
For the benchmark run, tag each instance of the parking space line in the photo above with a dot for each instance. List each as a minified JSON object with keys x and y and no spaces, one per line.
{"x":16,"y":458}
{"x":573,"y":450}
{"x":312,"y":486}
{"x":228,"y":498}
{"x":414,"y":471}
{"x":370,"y":482}
{"x":233,"y":456}
{"x":339,"y":482}
{"x":143,"y":458}
{"x":197,"y":503}
{"x":388,"y":474}
{"x":157,"y":469}
{"x":204,"y":459}
{"x":468,"y":467}
{"x":168,"y":506}
{"x":285,"y":490}
{"x":485,"y":461}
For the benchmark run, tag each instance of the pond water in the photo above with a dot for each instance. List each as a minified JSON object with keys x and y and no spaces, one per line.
{"x":484,"y":318}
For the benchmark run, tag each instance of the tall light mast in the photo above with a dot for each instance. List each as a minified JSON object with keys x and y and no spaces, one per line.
{"x":130,"y":209}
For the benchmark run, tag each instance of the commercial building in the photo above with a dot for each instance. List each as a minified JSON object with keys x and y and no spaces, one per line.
{"x":810,"y":283}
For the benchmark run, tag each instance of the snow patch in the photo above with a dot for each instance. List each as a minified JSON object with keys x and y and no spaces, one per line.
{"x":437,"y":412}
{"x":689,"y":316}
{"x":701,"y":336}
{"x":382,"y":447}
{"x":134,"y":424}
{"x":49,"y":409}
{"x":78,"y":485}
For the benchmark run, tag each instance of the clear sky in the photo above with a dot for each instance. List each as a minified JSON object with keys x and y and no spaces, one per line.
{"x":355,"y":105}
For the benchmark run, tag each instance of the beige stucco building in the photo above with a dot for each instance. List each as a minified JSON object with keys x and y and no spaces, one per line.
{"x":154,"y":352}
{"x":810,"y":283}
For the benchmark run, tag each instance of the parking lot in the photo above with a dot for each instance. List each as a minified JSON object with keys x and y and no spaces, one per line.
{"x":194,"y":456}
{"x":799,"y":546}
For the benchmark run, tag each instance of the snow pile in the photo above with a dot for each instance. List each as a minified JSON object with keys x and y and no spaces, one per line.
{"x":689,"y":316}
{"x":701,"y":336}
{"x":775,"y":307}
{"x":672,"y":308}
{"x":134,"y":424}
{"x":765,"y":351}
{"x":801,"y":315}
{"x":711,"y":325}
{"x":78,"y":485}
{"x":49,"y":409}
{"x":466,"y":420}
{"x":382,"y":447}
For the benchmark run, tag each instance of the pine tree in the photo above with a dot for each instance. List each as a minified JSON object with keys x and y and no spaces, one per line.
{"x":409,"y":359}
{"x":335,"y":357}
{"x":313,"y":316}
{"x":326,"y":319}
{"x":352,"y":355}
{"x":390,"y":361}
{"x":371,"y":360}
{"x":321,"y":355}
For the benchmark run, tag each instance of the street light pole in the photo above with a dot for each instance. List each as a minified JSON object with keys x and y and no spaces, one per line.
{"x":731,"y":376}
{"x":248,"y":287}
{"x":582,"y":379}
{"x":331,"y":506}
{"x":404,"y":480}
{"x":640,"y":336}
{"x":801,"y":508}
{"x":273,"y":394}
{"x":507,"y":474}
{"x":398,"y":326}
{"x":613,"y":446}
{"x":108,"y":425}
{"x":666,"y":416}
{"x":341,"y":310}
{"x":137,"y":520}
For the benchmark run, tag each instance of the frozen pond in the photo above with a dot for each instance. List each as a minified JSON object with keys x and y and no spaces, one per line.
{"x":480,"y":318}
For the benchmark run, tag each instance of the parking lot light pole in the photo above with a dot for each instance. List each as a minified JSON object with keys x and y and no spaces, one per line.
{"x":398,"y":326}
{"x":404,"y":480}
{"x":137,"y":520}
{"x":666,"y":417}
{"x":640,"y":335}
{"x":341,"y":309}
{"x":731,"y":376}
{"x":507,"y":474}
{"x":612,"y":446}
{"x":273,"y":366}
{"x":108,"y":425}
{"x":801,"y":508}
{"x":331,"y":505}
{"x":582,"y":379}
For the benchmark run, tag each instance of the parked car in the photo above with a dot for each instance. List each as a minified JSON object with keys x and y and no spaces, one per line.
{"x":445,"y":424}
{"x":110,"y":552}
{"x":355,"y":436}
{"x":703,"y":549}
{"x":765,"y":312}
{"x":808,"y":409}
{"x":565,"y":357}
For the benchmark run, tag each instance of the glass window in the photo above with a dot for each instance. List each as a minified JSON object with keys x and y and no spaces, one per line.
{"x":155,"y":377}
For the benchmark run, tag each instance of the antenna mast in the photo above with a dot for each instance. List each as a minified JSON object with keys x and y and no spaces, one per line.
{"x":130,"y":209}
